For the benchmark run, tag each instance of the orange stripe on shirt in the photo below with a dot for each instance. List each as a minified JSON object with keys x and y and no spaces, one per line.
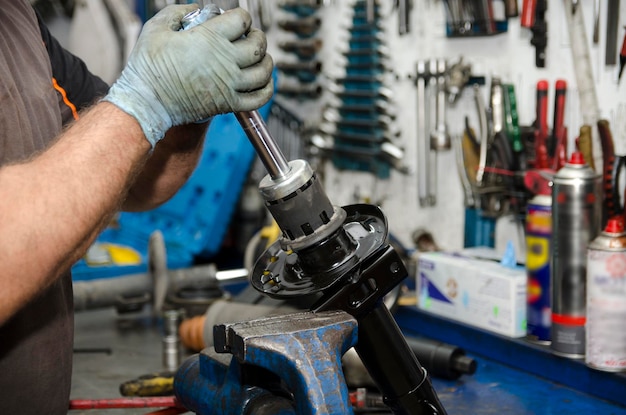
{"x":66,"y":100}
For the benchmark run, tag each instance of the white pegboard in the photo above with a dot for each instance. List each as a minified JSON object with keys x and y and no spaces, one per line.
{"x":509,"y":56}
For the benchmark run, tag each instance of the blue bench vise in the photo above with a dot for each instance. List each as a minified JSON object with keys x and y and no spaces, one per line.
{"x":281,"y":365}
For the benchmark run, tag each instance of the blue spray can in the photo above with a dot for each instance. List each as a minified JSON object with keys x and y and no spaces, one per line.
{"x":538,"y":234}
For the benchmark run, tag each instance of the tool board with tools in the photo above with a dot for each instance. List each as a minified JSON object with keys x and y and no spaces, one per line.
{"x":396,"y":97}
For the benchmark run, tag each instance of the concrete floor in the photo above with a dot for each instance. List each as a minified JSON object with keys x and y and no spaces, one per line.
{"x":133,"y":345}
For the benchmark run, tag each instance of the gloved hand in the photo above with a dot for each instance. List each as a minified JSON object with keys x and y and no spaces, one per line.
{"x":177,"y":77}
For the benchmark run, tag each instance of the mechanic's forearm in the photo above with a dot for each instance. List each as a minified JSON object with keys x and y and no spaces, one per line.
{"x":53,"y":206}
{"x":172,"y":162}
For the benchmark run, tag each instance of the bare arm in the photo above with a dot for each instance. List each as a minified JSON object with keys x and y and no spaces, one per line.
{"x":172,"y":162}
{"x":53,"y":206}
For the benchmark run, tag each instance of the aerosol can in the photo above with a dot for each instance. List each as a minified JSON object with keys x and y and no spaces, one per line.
{"x":538,"y":234}
{"x":606,"y":299}
{"x":576,"y":221}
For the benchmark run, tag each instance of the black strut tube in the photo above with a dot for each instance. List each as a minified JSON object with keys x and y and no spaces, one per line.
{"x":371,"y":271}
{"x":393,"y":366}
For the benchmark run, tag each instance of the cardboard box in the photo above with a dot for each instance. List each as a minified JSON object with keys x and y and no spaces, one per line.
{"x":479,"y":292}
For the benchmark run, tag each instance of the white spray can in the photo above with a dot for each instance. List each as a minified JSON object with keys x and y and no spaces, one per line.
{"x":606,"y":299}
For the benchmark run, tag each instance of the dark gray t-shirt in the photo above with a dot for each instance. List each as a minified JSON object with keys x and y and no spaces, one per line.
{"x":36,"y":343}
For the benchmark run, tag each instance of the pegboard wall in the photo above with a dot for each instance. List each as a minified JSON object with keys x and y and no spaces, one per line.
{"x":508,"y":56}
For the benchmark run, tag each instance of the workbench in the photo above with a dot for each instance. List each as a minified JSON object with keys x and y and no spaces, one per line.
{"x":111,"y":349}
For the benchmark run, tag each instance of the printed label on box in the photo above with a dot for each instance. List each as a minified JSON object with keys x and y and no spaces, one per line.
{"x":478,"y":292}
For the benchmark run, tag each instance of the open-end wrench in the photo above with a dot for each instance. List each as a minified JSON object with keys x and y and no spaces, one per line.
{"x":423,"y":141}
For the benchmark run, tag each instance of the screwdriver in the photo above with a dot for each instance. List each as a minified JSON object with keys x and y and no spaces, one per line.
{"x":622,"y":58}
{"x":541,"y":126}
{"x":585,"y":146}
{"x":153,"y":384}
{"x":558,"y":142}
{"x":528,"y":13}
{"x":513,"y":131}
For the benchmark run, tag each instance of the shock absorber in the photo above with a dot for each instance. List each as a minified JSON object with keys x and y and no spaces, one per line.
{"x":340,"y":256}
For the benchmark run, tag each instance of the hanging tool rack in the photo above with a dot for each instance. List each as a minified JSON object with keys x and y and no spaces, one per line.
{"x":360,"y":122}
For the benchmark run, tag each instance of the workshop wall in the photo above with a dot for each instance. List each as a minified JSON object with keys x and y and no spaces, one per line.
{"x":509,"y":56}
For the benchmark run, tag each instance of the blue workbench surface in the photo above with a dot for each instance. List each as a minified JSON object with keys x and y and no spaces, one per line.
{"x":515,"y":377}
{"x":498,"y":389}
{"x":135,"y":349}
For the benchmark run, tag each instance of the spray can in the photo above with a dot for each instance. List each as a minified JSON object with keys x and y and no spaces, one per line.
{"x":606,"y":299}
{"x":538,"y":234}
{"x":576,"y":221}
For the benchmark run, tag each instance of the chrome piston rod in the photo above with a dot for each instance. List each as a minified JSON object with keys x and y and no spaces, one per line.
{"x":251,"y":121}
{"x":270,"y":154}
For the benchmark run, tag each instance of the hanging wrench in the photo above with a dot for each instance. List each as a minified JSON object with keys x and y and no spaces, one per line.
{"x":439,"y":136}
{"x":484,"y":135}
{"x":423,"y":142}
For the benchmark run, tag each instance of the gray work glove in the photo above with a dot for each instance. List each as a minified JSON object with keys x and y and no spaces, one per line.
{"x":177,"y":77}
